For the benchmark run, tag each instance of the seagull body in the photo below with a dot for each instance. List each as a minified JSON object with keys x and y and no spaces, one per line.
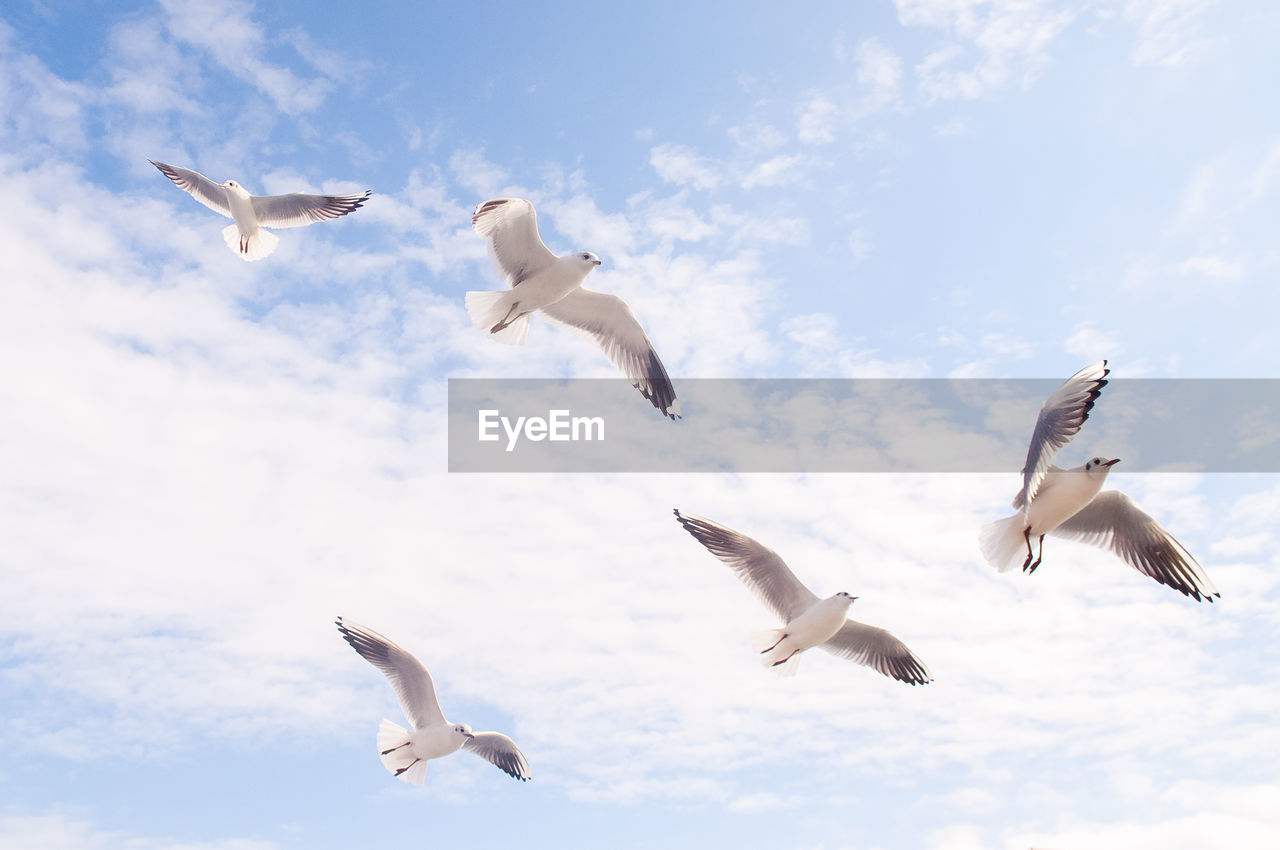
{"x":1063,"y":492}
{"x":809,"y":621}
{"x":814,"y":627}
{"x":540,"y":282}
{"x":251,"y":213}
{"x":1071,"y":503}
{"x":405,"y":752}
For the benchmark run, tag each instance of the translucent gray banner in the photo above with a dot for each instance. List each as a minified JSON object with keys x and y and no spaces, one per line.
{"x":890,"y":425}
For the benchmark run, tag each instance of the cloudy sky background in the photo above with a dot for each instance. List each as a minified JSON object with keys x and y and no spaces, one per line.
{"x":205,"y":460}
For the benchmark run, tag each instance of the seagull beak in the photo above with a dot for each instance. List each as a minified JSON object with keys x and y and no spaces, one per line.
{"x":469,"y":734}
{"x":1112,"y":462}
{"x":597,"y":262}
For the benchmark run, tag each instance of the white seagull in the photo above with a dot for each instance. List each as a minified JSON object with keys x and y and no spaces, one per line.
{"x":552,"y":285}
{"x":1067,"y":502}
{"x":254,"y":212}
{"x":406,"y":753}
{"x":810,"y":621}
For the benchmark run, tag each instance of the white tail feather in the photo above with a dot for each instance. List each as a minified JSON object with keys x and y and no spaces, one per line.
{"x":260,"y":243}
{"x":395,"y":755}
{"x":1002,"y":543}
{"x":417,"y":774}
{"x":764,"y":639}
{"x":488,"y":309}
{"x":769,"y":643}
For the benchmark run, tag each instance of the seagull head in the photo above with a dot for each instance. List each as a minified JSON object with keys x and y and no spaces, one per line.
{"x":464,"y":730}
{"x":845,"y":596}
{"x":1100,"y":465}
{"x":589,"y":258}
{"x":233,"y":186}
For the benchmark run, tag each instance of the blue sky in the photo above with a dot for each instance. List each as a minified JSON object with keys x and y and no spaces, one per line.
{"x":207,"y":460}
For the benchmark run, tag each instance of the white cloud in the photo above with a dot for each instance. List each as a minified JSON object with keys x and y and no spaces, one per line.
{"x":191,"y":420}
{"x":879,"y":73}
{"x":149,"y":74}
{"x":671,"y":218}
{"x":823,"y":353}
{"x":1000,"y":41}
{"x":860,"y":245}
{"x":816,"y":117}
{"x":1201,"y":823}
{"x":957,"y":126}
{"x":683,"y":166}
{"x":1212,"y":266}
{"x":774,"y":171}
{"x":225,"y":29}
{"x":38,"y":109}
{"x":1090,"y":343}
{"x":1167,"y":29}
{"x":761,"y":801}
{"x":757,"y":138}
{"x":587,"y":225}
{"x":472,"y":170}
{"x":59,"y":832}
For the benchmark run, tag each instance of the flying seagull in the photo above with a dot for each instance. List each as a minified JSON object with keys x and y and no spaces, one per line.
{"x":810,"y":621}
{"x":254,"y":212}
{"x":1067,"y":502}
{"x":406,"y":753}
{"x":540,"y":281}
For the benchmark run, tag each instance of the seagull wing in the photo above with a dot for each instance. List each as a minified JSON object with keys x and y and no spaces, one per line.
{"x":879,"y":650}
{"x":759,"y":567}
{"x":511,"y":227}
{"x":409,"y":679}
{"x":197,"y":186}
{"x":609,"y":321}
{"x":1114,"y":521}
{"x":1060,"y":419}
{"x":297,"y":209}
{"x":501,"y":751}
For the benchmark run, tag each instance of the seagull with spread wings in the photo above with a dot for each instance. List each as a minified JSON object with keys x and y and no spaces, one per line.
{"x":810,"y":621}
{"x":541,"y":282}
{"x":251,"y":213}
{"x":1068,"y":502}
{"x":405,"y":753}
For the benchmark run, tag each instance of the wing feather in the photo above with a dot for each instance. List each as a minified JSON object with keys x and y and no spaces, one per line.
{"x":609,"y":321}
{"x":298,"y":209}
{"x":511,"y":227}
{"x":195,"y":184}
{"x":759,"y":567}
{"x":878,"y":649}
{"x":409,"y":679}
{"x":1060,"y":419}
{"x":500,"y":751}
{"x":1114,"y":521}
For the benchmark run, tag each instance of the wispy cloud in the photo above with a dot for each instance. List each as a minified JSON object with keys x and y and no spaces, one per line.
{"x":816,"y":114}
{"x":237,"y":43}
{"x":1168,"y":30}
{"x":60,"y":832}
{"x":995,"y":43}
{"x":682,"y":165}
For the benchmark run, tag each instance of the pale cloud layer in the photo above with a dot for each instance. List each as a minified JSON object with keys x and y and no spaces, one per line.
{"x":228,"y":32}
{"x":207,"y":460}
